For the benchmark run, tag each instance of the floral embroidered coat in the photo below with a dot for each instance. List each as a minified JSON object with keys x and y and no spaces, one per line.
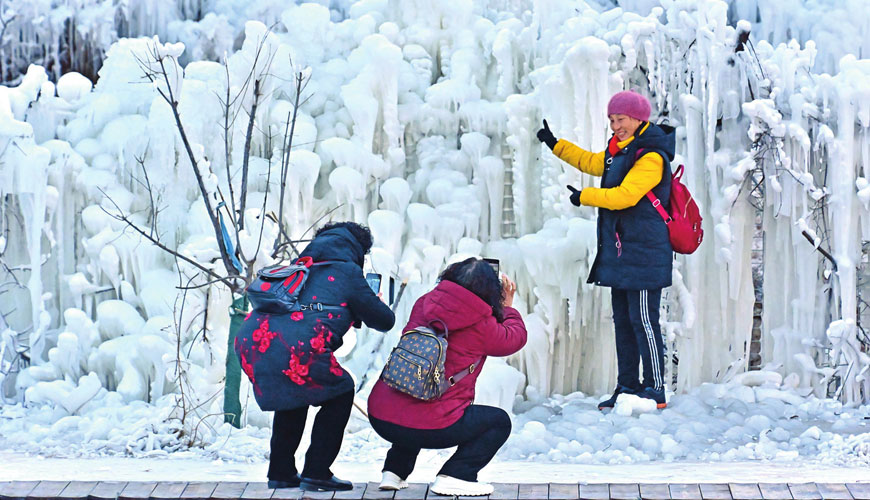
{"x":289,"y":357}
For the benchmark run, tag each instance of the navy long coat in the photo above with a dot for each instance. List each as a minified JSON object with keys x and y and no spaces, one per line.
{"x":634,"y":250}
{"x":289,"y":357}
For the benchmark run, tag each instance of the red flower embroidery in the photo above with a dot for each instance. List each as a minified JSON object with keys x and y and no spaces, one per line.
{"x":297,"y":369}
{"x":344,"y":304}
{"x":297,"y":316}
{"x":331,"y":278}
{"x":262,"y":336}
{"x":248,"y":368}
{"x":265,"y":286}
{"x":334,"y":367}
{"x":317,"y":344}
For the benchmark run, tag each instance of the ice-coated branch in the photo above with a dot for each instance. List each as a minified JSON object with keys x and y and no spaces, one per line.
{"x":821,"y":250}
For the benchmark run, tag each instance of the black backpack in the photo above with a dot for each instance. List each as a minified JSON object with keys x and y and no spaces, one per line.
{"x":276,"y":288}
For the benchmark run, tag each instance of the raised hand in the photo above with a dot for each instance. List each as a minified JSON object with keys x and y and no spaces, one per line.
{"x":509,"y":289}
{"x":547,"y":137}
{"x":575,"y":195}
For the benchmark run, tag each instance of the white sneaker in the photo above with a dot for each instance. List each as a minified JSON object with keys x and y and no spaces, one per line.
{"x":392,"y":482}
{"x":446,"y":485}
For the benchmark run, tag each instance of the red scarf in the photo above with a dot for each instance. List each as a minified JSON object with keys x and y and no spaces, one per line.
{"x":613,"y":146}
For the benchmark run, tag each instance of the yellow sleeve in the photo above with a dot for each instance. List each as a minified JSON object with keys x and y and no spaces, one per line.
{"x":643,"y":176}
{"x":585,"y":161}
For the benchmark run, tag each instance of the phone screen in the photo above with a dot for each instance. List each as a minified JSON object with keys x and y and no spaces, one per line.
{"x":374,"y":281}
{"x":494,"y":264}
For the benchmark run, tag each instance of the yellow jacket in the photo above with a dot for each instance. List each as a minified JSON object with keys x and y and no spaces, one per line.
{"x":644,"y":175}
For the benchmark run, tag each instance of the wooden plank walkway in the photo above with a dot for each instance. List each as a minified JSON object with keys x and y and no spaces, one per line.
{"x":141,"y":490}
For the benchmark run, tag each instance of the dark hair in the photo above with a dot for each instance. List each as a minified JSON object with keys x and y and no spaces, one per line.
{"x":479,"y":278}
{"x":361,"y":233}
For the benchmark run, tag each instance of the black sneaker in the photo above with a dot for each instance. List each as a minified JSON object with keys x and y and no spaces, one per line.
{"x":657,"y":395}
{"x":611,"y":402}
{"x":276,"y":483}
{"x":331,"y":484}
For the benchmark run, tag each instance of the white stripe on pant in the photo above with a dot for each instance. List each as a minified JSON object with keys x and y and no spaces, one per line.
{"x":654,"y":353}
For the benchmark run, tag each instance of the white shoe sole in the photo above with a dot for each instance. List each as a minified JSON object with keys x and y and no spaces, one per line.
{"x":392,"y":487}
{"x":457,"y":492}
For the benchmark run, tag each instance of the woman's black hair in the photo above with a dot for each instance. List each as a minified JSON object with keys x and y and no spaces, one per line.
{"x":480,"y":279}
{"x":361,"y":233}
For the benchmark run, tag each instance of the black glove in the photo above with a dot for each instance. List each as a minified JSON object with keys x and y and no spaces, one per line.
{"x":575,"y":195}
{"x":547,"y":137}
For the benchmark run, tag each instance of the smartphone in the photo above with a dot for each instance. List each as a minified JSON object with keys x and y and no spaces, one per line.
{"x":392,"y":289}
{"x":374,"y":281}
{"x":494,"y":264}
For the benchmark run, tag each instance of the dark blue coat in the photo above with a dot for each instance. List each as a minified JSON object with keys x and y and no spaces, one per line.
{"x":634,"y":251}
{"x":289,"y":357}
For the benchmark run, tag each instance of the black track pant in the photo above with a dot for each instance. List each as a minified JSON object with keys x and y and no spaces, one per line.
{"x":638,"y":336}
{"x":326,"y":436}
{"x":479,"y":433}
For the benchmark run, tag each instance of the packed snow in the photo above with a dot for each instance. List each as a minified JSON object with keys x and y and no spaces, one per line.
{"x":758,"y":418}
{"x":418,"y":119}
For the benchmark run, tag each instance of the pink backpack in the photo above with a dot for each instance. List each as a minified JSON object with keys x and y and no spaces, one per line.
{"x":684,"y":219}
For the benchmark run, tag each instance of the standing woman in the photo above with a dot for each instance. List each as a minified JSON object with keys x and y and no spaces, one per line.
{"x":290,"y":362}
{"x":634,"y":258}
{"x":476,"y":309}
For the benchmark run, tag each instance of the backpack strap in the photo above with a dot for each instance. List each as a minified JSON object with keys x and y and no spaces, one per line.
{"x":456,"y":377}
{"x":656,"y":203}
{"x":313,"y":306}
{"x":432,"y":327}
{"x":451,"y":381}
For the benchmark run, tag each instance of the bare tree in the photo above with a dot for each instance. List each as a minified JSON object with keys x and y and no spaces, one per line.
{"x":235,"y":270}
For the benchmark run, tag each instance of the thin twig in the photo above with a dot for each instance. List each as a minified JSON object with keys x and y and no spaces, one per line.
{"x":123,"y":218}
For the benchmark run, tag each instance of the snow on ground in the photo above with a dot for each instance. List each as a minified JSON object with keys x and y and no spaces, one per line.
{"x":23,"y":467}
{"x":734,"y":428}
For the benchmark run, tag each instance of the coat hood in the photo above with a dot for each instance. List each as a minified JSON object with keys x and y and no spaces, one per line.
{"x":658,"y":137}
{"x":455,"y":305}
{"x":335,"y":244}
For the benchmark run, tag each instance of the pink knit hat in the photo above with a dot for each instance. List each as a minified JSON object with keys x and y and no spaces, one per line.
{"x":630,"y":103}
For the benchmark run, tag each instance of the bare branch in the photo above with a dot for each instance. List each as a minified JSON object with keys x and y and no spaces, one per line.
{"x":228,"y":281}
{"x":285,"y":155}
{"x":173,"y":104}
{"x":246,"y":157}
{"x":154,"y":212}
{"x":227,"y":148}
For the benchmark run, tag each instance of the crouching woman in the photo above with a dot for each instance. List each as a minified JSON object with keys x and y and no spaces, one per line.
{"x":476,"y":309}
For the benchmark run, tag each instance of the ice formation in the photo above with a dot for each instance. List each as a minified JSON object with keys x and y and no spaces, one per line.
{"x":418,"y":119}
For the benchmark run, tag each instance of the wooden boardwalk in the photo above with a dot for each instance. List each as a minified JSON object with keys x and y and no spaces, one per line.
{"x":140,"y":490}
